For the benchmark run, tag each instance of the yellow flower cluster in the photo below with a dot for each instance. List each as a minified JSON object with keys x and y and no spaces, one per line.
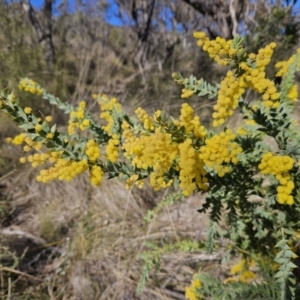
{"x":192,"y":292}
{"x":128,"y":137}
{"x":229,"y":93}
{"x":155,"y":151}
{"x":96,"y":175}
{"x":127,"y":134}
{"x":77,"y":119}
{"x":32,"y":144}
{"x":293,"y":93}
{"x":107,"y":104}
{"x":112,"y":149}
{"x":233,"y":86}
{"x":27,"y":110}
{"x":283,"y":66}
{"x":158,"y":181}
{"x":107,"y":107}
{"x":159,"y":152}
{"x":133,"y":179}
{"x":23,"y":160}
{"x":144,"y":118}
{"x":38,"y":159}
{"x":190,"y":121}
{"x":63,"y":170}
{"x":38,"y":127}
{"x":30,"y":86}
{"x":219,"y":49}
{"x":148,"y":150}
{"x":17,"y":140}
{"x":279,"y":166}
{"x":242,"y":272}
{"x":257,"y":80}
{"x":107,"y":116}
{"x":263,"y":57}
{"x":219,"y":151}
{"x":23,"y":138}
{"x":186,"y":93}
{"x":192,"y":172}
{"x":48,"y":119}
{"x":49,"y":135}
{"x":241,"y":130}
{"x":92,"y":150}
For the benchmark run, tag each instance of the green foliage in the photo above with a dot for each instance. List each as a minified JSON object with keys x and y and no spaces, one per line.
{"x":213,"y":289}
{"x":284,"y":277}
{"x":199,"y":87}
{"x":229,"y":167}
{"x":152,"y":257}
{"x":166,"y":201}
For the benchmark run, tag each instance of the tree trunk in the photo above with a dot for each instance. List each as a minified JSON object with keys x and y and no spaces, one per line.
{"x":44,"y":35}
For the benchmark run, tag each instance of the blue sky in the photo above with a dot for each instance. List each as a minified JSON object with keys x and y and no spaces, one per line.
{"x":112,"y":12}
{"x":110,"y":15}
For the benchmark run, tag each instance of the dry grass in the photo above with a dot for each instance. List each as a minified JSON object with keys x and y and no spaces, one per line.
{"x":83,"y":242}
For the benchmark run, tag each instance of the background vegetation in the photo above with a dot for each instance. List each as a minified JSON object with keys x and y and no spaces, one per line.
{"x":75,"y":241}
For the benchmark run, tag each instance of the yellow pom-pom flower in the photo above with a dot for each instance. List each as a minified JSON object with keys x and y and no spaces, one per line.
{"x":279,"y":166}
{"x":112,"y":150}
{"x":92,"y":150}
{"x":27,"y":110}
{"x":96,"y":175}
{"x":49,"y":135}
{"x":48,"y":119}
{"x":192,"y":292}
{"x":219,"y":151}
{"x":38,"y":127}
